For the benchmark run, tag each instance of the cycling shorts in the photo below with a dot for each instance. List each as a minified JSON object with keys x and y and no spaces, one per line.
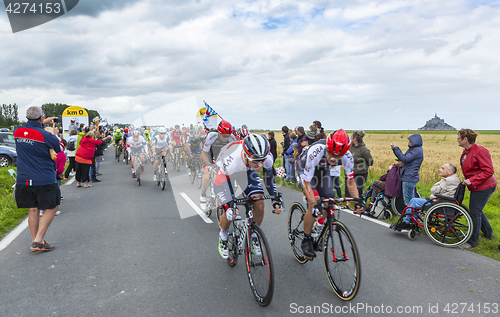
{"x":137,"y":151}
{"x":195,"y":150}
{"x":322,"y":184}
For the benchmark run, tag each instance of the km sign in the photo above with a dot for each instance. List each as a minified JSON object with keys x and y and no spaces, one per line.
{"x":25,"y":14}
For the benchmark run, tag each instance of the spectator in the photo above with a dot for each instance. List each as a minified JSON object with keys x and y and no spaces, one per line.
{"x":300,"y":134}
{"x":318,"y":125}
{"x":73,"y":137}
{"x":445,"y":187}
{"x":36,"y":184}
{"x":83,"y":157}
{"x":60,"y":162}
{"x":412,"y":160}
{"x":311,"y":134}
{"x":285,"y":144}
{"x":80,"y":129}
{"x":478,"y":173}
{"x":362,"y":161}
{"x":290,"y":172}
{"x":273,"y":145}
{"x":390,"y":182}
{"x":99,"y":151}
{"x":72,"y":126}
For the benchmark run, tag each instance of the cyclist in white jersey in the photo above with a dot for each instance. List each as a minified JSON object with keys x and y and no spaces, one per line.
{"x":136,"y":145}
{"x":159,"y":147}
{"x":238,"y":163}
{"x":211,"y":149}
{"x":313,"y":167}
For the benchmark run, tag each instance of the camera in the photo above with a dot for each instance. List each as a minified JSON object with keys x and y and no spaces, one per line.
{"x":57,"y":120}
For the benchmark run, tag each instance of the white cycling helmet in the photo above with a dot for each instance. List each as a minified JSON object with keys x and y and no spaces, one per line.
{"x":135,"y":133}
{"x":256,"y":146}
{"x":162,"y":130}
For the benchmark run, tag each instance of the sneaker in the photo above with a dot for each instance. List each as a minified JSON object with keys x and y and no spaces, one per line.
{"x":42,"y":211}
{"x":223,"y":251}
{"x":98,"y":174}
{"x":154,"y":178}
{"x":58,"y":212}
{"x":96,"y":180}
{"x":256,"y":246}
{"x":465,"y":246}
{"x":62,"y":197}
{"x":44,"y":246}
{"x":307,"y":248}
{"x":189,"y":171}
{"x":492,"y":237}
{"x":133,"y":175}
{"x":203,"y":198}
{"x":72,"y":174}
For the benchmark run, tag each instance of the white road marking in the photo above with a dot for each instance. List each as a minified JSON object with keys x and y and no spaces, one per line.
{"x":196,"y":208}
{"x":70,"y":181}
{"x":380,"y":222}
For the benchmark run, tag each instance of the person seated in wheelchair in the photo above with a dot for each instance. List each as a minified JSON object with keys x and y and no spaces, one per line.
{"x":389,"y":184}
{"x":445,"y":187}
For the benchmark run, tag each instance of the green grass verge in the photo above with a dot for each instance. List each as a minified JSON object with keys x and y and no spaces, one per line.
{"x":10,"y":215}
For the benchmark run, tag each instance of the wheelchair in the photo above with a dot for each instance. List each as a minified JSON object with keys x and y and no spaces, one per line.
{"x":382,"y":205}
{"x":445,"y":220}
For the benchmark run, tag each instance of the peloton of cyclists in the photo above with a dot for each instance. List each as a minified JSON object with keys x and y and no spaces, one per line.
{"x":136,"y":145}
{"x":159,"y":148}
{"x":214,"y":142}
{"x":238,"y":163}
{"x":313,"y":167}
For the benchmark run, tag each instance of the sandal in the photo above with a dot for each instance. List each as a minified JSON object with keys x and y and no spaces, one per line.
{"x":87,"y":186}
{"x":78,"y":185}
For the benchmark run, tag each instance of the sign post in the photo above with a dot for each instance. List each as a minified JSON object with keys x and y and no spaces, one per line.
{"x":79,"y":114}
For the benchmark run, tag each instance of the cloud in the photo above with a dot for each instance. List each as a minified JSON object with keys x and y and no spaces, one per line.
{"x":263,"y":63}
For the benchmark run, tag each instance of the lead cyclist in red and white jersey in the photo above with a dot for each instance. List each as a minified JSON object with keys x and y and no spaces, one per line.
{"x":212,"y":146}
{"x":238,"y":163}
{"x":313,"y":167}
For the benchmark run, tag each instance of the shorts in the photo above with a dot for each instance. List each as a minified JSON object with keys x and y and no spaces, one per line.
{"x":159,"y":150}
{"x":41,"y":197}
{"x":195,"y":150}
{"x":117,"y":142}
{"x":322,"y":184}
{"x":137,"y":151}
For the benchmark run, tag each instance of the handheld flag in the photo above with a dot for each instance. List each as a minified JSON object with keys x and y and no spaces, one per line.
{"x":208,"y":112}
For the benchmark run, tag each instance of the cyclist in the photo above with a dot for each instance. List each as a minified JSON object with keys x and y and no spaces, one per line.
{"x":238,"y":163}
{"x":243,"y":132}
{"x":176,"y":138}
{"x":136,"y":145}
{"x":313,"y":167}
{"x":195,"y":145}
{"x":158,"y":148}
{"x":117,"y":137}
{"x":214,"y":142}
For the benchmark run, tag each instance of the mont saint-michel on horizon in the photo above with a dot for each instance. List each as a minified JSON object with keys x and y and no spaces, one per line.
{"x":436,"y":123}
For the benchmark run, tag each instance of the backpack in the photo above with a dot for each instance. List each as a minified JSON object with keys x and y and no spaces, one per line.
{"x":71,"y":145}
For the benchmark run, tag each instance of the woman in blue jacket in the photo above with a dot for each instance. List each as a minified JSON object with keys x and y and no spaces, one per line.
{"x":412,"y":160}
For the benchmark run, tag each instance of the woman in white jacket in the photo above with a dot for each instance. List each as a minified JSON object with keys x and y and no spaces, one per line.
{"x":73,"y":137}
{"x":445,"y":187}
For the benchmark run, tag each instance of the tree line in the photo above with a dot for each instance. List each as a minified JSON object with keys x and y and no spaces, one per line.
{"x":9,"y":115}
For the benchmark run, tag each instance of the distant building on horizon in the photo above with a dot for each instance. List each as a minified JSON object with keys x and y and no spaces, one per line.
{"x":436,"y":123}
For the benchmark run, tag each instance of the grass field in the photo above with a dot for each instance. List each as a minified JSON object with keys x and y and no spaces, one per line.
{"x":439,"y":147}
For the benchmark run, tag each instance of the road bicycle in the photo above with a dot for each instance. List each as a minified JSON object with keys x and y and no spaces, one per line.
{"x":196,"y":170}
{"x":118,"y":152}
{"x":162,"y":172}
{"x":137,"y":168}
{"x":125,"y":154}
{"x":212,"y":202}
{"x":259,"y":263}
{"x":177,"y":158}
{"x":340,"y":254}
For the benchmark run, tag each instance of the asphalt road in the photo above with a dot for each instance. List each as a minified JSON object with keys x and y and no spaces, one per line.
{"x":129,"y":250}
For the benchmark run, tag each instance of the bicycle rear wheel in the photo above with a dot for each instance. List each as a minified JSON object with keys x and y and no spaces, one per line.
{"x":260,"y":267}
{"x":296,"y":231}
{"x":199,"y":173}
{"x":341,"y":259}
{"x":448,"y":224}
{"x":193,"y":171}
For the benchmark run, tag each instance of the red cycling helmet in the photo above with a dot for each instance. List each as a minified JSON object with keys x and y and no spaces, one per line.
{"x":338,"y":142}
{"x":125,"y":130}
{"x":224,"y":127}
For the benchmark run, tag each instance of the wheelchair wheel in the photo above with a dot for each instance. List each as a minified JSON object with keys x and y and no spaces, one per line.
{"x":412,"y":234}
{"x":448,"y":224}
{"x":397,"y":205}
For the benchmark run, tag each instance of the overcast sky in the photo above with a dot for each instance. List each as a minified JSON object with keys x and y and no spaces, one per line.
{"x":350,"y":64}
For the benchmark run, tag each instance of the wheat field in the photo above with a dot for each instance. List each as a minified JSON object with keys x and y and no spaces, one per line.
{"x":439,"y":148}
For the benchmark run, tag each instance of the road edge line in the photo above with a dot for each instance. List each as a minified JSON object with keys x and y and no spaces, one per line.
{"x":196,"y":208}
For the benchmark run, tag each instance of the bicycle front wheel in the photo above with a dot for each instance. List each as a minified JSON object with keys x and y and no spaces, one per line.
{"x":199,"y":173}
{"x":259,"y":266}
{"x":296,"y":231}
{"x":193,"y":171}
{"x":342,"y":264}
{"x":232,"y":244}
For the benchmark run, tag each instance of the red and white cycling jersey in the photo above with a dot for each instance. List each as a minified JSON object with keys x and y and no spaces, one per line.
{"x":231,"y":160}
{"x":313,"y":159}
{"x":176,"y":136}
{"x":136,"y":145}
{"x":213,"y":144}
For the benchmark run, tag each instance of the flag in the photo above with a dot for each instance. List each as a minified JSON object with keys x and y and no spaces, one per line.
{"x":208,"y":112}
